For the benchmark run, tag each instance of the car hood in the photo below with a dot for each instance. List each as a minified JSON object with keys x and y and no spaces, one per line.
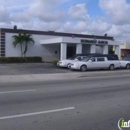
{"x":66,"y":61}
{"x":124,"y":62}
{"x":69,"y":61}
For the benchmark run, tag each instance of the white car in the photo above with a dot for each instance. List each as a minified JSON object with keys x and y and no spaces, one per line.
{"x":101,"y":62}
{"x":125,"y":62}
{"x":67,"y":62}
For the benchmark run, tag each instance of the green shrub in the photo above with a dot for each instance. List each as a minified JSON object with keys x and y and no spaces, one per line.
{"x":20,"y":59}
{"x":55,"y":62}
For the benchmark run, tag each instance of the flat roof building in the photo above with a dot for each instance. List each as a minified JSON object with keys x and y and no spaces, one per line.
{"x":52,"y":45}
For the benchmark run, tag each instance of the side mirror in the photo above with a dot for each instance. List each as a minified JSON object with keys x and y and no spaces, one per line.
{"x":76,"y":59}
{"x":90,"y":61}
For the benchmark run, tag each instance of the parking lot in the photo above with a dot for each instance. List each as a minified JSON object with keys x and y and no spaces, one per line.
{"x":35,"y":68}
{"x":30,"y":68}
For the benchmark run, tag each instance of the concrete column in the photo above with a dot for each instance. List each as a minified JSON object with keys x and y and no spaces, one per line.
{"x":78,"y":48}
{"x":92,"y":48}
{"x":117,"y":50}
{"x":63,"y":51}
{"x":105,"y":49}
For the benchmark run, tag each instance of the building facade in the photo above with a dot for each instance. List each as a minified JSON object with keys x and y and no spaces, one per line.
{"x":52,"y":45}
{"x":124,"y":49}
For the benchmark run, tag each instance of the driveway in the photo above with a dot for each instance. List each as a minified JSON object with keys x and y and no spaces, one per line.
{"x":30,"y":68}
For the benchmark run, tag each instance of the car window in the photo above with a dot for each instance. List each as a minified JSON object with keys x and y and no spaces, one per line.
{"x":73,"y":57}
{"x":100,"y":59}
{"x":79,"y":58}
{"x":84,"y":57}
{"x":93,"y":59}
{"x":126,"y":59}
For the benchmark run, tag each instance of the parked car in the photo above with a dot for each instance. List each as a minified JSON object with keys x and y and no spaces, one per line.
{"x":125,"y":62}
{"x":77,"y":57}
{"x":97,"y":62}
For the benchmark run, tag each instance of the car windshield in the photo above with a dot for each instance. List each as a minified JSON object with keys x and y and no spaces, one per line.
{"x":73,"y":57}
{"x":85,"y":59}
{"x":126,"y":59}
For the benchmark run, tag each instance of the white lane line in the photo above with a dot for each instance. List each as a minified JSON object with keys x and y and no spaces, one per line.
{"x":36,"y":113}
{"x":20,"y":91}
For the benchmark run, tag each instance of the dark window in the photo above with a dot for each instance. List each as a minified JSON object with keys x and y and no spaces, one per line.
{"x":111,"y":58}
{"x":100,"y":59}
{"x":79,"y":58}
{"x":2,"y":46}
{"x":2,"y":49}
{"x":93,"y":59}
{"x":2,"y":54}
{"x":2,"y":37}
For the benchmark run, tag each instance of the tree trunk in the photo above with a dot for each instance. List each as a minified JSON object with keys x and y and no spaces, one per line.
{"x":21,"y":50}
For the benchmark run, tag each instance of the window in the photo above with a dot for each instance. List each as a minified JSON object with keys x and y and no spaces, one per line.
{"x":79,"y":58}
{"x":100,"y":59}
{"x":93,"y":59}
{"x":111,"y":58}
{"x":84,"y":57}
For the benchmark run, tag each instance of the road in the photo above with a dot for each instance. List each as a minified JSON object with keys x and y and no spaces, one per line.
{"x":95,"y":103}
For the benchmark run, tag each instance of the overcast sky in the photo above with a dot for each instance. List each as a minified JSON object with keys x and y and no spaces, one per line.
{"x":78,"y":16}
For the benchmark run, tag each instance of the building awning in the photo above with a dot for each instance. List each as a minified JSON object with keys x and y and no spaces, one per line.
{"x":74,"y":40}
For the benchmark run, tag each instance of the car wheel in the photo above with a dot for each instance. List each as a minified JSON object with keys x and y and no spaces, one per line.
{"x":111,"y":67}
{"x":83,"y":68}
{"x":128,"y":66}
{"x":68,"y":65}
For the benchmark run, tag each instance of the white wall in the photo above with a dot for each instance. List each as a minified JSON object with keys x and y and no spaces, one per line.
{"x":49,"y":52}
{"x":33,"y":50}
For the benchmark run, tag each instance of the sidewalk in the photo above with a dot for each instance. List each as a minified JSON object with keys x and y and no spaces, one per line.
{"x":59,"y":76}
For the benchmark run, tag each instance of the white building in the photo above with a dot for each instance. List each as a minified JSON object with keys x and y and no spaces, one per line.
{"x":55,"y":45}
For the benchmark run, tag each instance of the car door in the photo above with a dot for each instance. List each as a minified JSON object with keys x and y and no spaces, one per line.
{"x":100,"y":64}
{"x":91,"y":64}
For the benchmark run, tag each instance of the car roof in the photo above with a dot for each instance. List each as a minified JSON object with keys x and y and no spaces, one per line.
{"x":86,"y":54}
{"x":109,"y":56}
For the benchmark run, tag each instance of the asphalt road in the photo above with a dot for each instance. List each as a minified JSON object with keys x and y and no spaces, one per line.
{"x":82,"y":104}
{"x":30,"y":68}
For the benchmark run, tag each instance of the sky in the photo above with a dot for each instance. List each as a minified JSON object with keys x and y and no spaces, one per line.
{"x":96,"y":17}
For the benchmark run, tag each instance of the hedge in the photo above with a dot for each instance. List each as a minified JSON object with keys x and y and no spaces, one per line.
{"x":20,"y":59}
{"x":55,"y":62}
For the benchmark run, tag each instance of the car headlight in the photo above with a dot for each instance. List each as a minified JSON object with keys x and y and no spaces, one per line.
{"x":63,"y":63}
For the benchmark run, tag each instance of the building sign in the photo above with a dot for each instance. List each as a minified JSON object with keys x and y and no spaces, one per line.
{"x":88,"y":41}
{"x":100,"y":42}
{"x":103,"y":42}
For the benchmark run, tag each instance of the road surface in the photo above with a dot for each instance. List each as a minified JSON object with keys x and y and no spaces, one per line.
{"x":95,"y":103}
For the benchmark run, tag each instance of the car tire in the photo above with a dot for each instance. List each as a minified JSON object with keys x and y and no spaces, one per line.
{"x":111,"y":67}
{"x":68,"y":65}
{"x":83,"y":68}
{"x":127,"y":66}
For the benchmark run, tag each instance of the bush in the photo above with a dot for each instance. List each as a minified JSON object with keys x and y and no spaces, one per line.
{"x":55,"y":62}
{"x":20,"y":59}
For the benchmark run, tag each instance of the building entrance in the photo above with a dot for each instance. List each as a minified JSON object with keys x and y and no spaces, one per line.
{"x":71,"y":50}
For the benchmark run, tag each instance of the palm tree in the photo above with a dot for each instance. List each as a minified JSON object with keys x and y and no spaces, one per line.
{"x":27,"y":40}
{"x":18,"y":39}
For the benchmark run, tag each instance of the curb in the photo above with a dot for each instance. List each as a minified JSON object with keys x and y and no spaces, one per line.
{"x":59,"y":76}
